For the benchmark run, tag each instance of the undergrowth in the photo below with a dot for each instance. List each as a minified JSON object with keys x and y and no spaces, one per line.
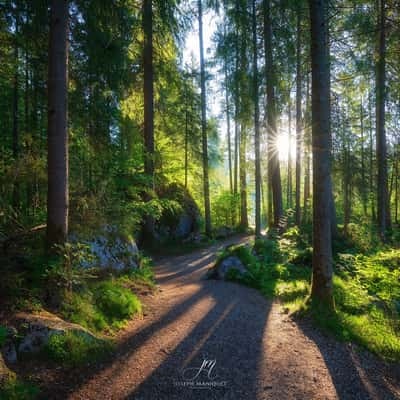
{"x":76,"y":348}
{"x":366,"y":286}
{"x":16,"y":389}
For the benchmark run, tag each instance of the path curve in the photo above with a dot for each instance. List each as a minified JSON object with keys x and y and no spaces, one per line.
{"x":248,"y":347}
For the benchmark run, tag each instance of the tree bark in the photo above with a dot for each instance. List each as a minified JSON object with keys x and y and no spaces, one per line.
{"x":381,"y":150}
{"x":244,"y":222}
{"x":321,"y":288}
{"x":186,"y":136}
{"x":256,"y":126}
{"x":148,"y":90}
{"x":15,"y":131}
{"x":207,"y":208}
{"x":307,"y":155}
{"x":228,"y":120}
{"x":289,"y":167}
{"x":298,"y":118}
{"x":57,"y":156}
{"x":273,"y":159}
{"x":148,"y":100}
{"x":363,"y":180}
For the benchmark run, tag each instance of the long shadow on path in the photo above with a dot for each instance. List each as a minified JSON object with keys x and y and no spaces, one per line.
{"x":229,"y":335}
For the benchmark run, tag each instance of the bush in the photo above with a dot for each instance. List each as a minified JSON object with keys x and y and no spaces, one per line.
{"x":108,"y":304}
{"x":76,"y":348}
{"x":15,"y":389}
{"x":116,"y":302}
{"x":302,"y":257}
{"x":81,"y":309}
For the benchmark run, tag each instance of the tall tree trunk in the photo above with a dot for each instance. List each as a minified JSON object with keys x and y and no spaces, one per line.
{"x":307,"y":151}
{"x":244,"y":222}
{"x":381,"y":151}
{"x":15,"y":195}
{"x":289,"y":167}
{"x":207,"y":208}
{"x":228,"y":120}
{"x":363,"y":180}
{"x":371,"y":161}
{"x":148,"y":98}
{"x":346,"y":181}
{"x":57,"y":156}
{"x":273,"y":159}
{"x":148,"y":89}
{"x":334,"y":228}
{"x":321,"y":288}
{"x":298,"y":117}
{"x":256,"y":125}
{"x":186,"y":136}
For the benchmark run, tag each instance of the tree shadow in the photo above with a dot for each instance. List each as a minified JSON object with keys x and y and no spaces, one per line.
{"x":356,"y":374}
{"x":78,"y":377}
{"x":227,"y":335}
{"x":181,"y":269}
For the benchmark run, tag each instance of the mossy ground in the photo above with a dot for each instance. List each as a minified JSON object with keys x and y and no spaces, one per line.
{"x":366,"y":287}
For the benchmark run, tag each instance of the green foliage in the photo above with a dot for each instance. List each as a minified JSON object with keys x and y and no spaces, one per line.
{"x":366,"y":289}
{"x":15,"y":389}
{"x":116,"y":302}
{"x":81,"y":309}
{"x":107,"y":304}
{"x":76,"y":348}
{"x":3,"y":335}
{"x":224,"y":208}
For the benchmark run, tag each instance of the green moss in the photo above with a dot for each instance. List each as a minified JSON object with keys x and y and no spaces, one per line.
{"x":366,"y":289}
{"x":76,"y":348}
{"x":116,"y":302}
{"x":82,"y":310}
{"x":105,"y":305}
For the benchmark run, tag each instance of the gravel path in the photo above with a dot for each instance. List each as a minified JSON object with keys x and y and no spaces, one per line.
{"x":206,"y":339}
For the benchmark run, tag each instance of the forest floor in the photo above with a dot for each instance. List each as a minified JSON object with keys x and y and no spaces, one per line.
{"x":211,"y":339}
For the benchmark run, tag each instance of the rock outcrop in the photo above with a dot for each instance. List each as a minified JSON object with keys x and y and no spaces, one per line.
{"x":222,"y":268}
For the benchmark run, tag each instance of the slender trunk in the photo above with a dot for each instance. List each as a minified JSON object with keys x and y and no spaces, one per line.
{"x":298,"y":117}
{"x":289,"y":167}
{"x":57,"y":156}
{"x":148,"y":99}
{"x":322,"y":287}
{"x":244,"y":222}
{"x":207,"y":208}
{"x":186,"y":137}
{"x":256,"y":126}
{"x":334,"y":228}
{"x":363,"y":180}
{"x":371,"y":162}
{"x":307,"y":155}
{"x":228,"y":121}
{"x":273,"y":159}
{"x":15,"y":195}
{"x":148,"y":90}
{"x":346,"y":182}
{"x":381,"y":151}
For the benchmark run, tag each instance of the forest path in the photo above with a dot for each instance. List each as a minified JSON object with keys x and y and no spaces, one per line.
{"x":258,"y":351}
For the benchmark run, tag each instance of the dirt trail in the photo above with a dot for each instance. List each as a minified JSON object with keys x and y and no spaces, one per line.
{"x":206,"y":339}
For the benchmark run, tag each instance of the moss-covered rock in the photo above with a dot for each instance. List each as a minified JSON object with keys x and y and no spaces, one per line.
{"x":181,"y":215}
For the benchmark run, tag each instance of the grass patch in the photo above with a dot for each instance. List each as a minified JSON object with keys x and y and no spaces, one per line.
{"x":18,"y":390}
{"x":366,"y":287}
{"x":105,"y":305}
{"x":116,"y":302}
{"x":76,"y":348}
